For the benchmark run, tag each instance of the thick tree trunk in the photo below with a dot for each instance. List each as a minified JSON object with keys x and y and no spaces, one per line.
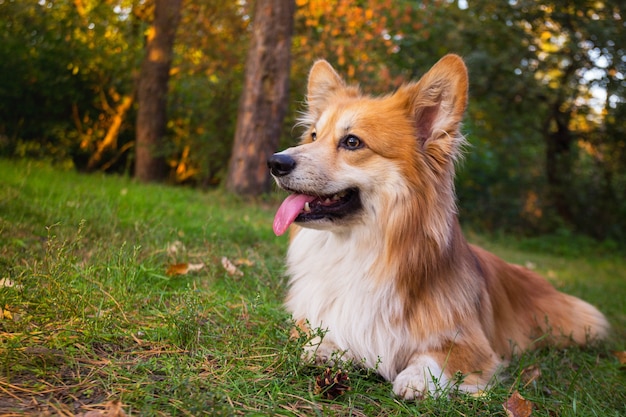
{"x":152,"y":91}
{"x":264,"y":98}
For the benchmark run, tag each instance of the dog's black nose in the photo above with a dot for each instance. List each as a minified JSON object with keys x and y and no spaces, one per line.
{"x":281,"y":164}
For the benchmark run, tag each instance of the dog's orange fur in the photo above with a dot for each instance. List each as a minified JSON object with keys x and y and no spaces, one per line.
{"x":454,"y":303}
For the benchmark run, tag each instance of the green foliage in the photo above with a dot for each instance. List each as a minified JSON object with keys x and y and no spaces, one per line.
{"x":93,"y":317}
{"x":62,"y":73}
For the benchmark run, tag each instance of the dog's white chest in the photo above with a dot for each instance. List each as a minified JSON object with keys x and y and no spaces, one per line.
{"x":335,"y":285}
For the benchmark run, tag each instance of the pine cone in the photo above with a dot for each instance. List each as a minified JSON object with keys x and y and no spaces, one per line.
{"x":330,"y":385}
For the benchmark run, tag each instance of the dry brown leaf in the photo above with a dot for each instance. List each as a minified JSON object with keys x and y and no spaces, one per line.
{"x":177,"y":269}
{"x":530,"y":374}
{"x":230,"y":267}
{"x":518,"y":406}
{"x":183,"y":268}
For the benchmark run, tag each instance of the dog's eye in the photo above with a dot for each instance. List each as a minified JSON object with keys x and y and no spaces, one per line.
{"x":351,"y":142}
{"x":313,"y":136}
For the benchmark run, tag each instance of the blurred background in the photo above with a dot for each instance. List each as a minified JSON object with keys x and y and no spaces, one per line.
{"x":84,"y":82}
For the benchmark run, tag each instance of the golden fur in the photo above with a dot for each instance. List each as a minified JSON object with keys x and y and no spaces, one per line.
{"x":394,"y":284}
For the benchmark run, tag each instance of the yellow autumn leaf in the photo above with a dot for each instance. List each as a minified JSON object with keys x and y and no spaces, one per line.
{"x":183,"y":268}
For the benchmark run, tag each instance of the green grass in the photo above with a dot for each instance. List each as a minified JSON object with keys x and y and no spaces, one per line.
{"x":92,"y":317}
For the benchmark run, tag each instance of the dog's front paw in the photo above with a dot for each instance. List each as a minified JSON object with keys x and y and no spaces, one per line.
{"x":422,"y":377}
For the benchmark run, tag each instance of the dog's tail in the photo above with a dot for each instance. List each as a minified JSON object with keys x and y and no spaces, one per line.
{"x":572,"y":320}
{"x":528,"y":312}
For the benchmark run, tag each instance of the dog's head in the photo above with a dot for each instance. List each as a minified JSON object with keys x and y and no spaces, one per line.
{"x":361,"y":155}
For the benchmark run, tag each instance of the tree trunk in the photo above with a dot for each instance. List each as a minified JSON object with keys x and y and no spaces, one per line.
{"x":558,"y":161}
{"x":264,"y":99}
{"x":152,"y":91}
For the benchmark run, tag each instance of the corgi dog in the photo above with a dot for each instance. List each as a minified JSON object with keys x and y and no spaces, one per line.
{"x":377,"y":259}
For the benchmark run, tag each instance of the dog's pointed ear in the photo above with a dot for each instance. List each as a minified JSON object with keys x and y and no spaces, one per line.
{"x":323,"y":80}
{"x":437,"y":102}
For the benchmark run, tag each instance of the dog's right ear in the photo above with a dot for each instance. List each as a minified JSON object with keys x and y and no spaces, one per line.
{"x":323,"y":80}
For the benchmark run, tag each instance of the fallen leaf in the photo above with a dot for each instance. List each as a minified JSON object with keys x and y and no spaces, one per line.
{"x":177,"y":269}
{"x":243,"y":261}
{"x":230,"y":267}
{"x":195,"y":267}
{"x":530,"y":374}
{"x":183,"y":268}
{"x":518,"y":406}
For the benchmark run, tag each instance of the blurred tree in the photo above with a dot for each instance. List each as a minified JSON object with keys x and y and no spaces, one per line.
{"x":205,"y":84}
{"x":579,"y":54}
{"x":264,"y":98}
{"x":538,"y":72}
{"x":152,"y":91}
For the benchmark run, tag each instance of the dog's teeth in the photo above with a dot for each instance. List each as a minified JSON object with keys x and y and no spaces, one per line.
{"x":336,"y":197}
{"x":327,"y":201}
{"x":307,"y":207}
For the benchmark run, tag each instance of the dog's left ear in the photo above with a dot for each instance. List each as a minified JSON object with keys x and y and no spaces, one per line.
{"x":323,"y":81}
{"x":438,"y":101}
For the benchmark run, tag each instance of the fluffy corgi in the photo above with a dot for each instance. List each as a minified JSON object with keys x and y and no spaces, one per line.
{"x":377,"y":259}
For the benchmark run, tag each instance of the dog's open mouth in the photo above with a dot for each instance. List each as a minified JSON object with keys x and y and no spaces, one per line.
{"x":303,"y":208}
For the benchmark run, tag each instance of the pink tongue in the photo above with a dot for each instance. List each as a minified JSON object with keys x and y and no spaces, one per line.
{"x":289,"y":210}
